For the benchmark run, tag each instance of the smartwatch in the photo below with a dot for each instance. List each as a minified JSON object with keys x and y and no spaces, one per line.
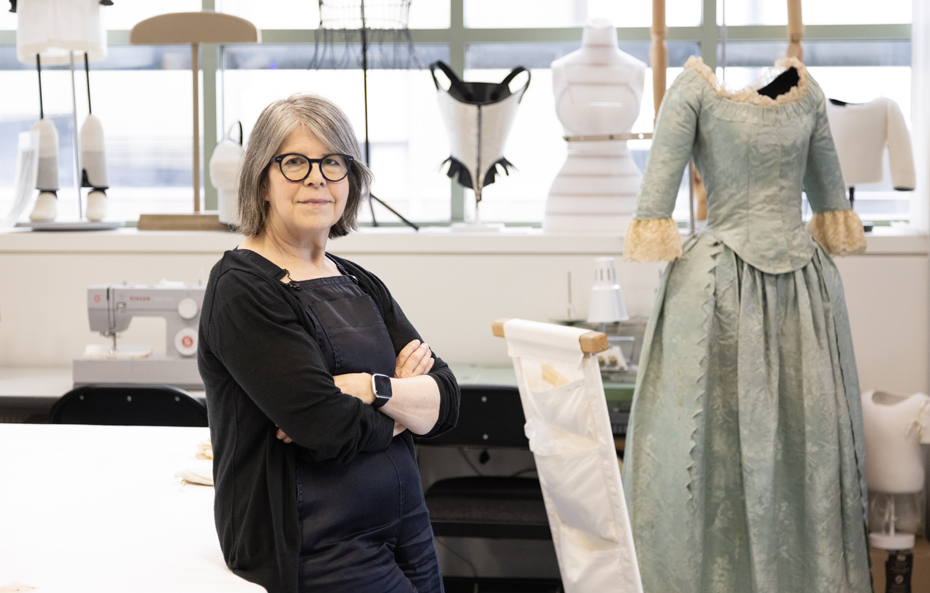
{"x":381,"y":386}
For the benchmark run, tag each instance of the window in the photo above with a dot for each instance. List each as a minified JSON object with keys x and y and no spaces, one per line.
{"x":148,"y":136}
{"x":494,"y":14}
{"x":304,"y":14}
{"x":406,"y":150}
{"x":815,"y":12}
{"x":148,"y":133}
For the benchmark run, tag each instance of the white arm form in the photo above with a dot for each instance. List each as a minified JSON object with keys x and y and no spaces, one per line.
{"x":861,"y":132}
{"x":900,"y":153}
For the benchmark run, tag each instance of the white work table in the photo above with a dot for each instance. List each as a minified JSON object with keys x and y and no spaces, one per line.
{"x":98,"y":508}
{"x":38,"y":384}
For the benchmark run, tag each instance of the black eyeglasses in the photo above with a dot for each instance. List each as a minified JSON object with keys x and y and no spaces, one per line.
{"x":297,"y":167}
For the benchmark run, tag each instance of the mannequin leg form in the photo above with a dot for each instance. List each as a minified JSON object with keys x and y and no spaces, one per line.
{"x":93,"y":160}
{"x":46,"y":206}
{"x":96,"y":205}
{"x":94,"y":173}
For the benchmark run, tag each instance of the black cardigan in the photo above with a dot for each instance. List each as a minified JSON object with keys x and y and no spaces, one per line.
{"x":261,"y":366}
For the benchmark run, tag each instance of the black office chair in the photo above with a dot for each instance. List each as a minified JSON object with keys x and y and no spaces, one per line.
{"x":496,"y":507}
{"x":129,"y":405}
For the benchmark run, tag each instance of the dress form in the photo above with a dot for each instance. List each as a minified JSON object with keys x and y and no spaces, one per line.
{"x":861,"y":132}
{"x":895,"y":427}
{"x":598,"y":91}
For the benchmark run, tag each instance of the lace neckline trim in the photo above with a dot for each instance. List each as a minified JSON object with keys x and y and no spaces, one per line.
{"x":750,"y":94}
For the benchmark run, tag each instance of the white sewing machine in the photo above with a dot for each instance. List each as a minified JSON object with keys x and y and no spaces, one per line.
{"x":112,"y":307}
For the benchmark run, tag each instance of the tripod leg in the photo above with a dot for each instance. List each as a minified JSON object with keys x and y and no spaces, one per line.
{"x":394,"y":212}
{"x":371,"y":206}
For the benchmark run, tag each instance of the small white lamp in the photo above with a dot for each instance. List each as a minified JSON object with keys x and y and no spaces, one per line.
{"x":606,"y":304}
{"x":224,"y":174}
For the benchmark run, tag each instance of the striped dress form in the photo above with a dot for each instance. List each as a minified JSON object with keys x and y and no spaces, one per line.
{"x":598,"y":92}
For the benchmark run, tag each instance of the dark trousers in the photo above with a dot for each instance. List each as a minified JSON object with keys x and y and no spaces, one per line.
{"x":366,"y":527}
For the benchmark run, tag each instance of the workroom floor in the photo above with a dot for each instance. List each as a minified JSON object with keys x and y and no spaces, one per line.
{"x":468,"y":585}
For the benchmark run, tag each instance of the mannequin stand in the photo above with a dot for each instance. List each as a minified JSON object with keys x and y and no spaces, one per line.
{"x":476,"y":226}
{"x":889,"y":540}
{"x":866,"y":226}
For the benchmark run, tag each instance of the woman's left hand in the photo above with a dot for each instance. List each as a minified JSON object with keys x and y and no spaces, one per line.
{"x":414,"y":360}
{"x":357,"y":385}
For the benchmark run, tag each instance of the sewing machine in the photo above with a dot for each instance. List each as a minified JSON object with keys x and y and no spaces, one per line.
{"x":112,"y":307}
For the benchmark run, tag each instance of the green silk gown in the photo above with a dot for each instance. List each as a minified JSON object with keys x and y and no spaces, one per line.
{"x":744,"y":465}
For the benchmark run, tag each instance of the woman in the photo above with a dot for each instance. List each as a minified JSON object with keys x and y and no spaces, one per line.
{"x":315,"y":379}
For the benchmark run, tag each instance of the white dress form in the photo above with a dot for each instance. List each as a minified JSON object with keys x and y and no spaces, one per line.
{"x":598,"y":91}
{"x":895,"y":427}
{"x":861,"y":132}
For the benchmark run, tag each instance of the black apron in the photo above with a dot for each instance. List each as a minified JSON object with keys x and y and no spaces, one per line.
{"x":364,"y":525}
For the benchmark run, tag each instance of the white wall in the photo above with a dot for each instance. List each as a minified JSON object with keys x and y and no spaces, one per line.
{"x":452,"y":288}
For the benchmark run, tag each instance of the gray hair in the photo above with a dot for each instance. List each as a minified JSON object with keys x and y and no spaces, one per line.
{"x":328,"y":123}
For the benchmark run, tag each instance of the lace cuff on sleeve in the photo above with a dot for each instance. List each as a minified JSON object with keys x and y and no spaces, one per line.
{"x":840,"y":232}
{"x":652,"y":240}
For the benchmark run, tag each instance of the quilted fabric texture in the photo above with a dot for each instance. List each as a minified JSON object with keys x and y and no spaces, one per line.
{"x":744,"y":468}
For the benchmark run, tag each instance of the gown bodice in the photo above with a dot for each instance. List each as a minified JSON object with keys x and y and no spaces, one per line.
{"x":756,"y":155}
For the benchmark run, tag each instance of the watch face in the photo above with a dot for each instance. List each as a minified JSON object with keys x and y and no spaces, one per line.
{"x":383,"y":386}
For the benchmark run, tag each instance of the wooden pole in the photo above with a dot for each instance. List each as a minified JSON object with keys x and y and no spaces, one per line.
{"x":795,"y":30}
{"x":659,"y":53}
{"x":195,"y":68}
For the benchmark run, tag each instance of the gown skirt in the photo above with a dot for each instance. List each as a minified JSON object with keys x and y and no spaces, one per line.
{"x":746,"y":438}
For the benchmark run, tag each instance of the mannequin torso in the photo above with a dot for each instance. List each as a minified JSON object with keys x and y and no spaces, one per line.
{"x":895,"y":425}
{"x":861,"y":131}
{"x":598,"y":90}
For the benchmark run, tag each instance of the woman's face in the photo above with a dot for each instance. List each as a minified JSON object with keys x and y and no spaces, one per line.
{"x":304,"y":210}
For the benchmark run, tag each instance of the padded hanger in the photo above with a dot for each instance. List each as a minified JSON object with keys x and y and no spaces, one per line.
{"x":783,"y":83}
